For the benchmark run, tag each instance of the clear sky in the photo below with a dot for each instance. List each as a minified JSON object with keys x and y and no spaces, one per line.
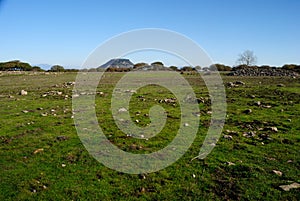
{"x":66,"y":31}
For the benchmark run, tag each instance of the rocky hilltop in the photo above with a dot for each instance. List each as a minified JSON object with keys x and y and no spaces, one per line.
{"x":118,"y":63}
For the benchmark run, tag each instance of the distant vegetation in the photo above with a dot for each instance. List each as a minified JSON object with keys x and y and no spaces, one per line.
{"x":246,"y":61}
{"x":17,"y":65}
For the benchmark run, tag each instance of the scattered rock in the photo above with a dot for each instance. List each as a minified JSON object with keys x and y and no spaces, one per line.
{"x":249,"y":134}
{"x":258,"y":103}
{"x":134,"y":147}
{"x":228,"y":137}
{"x":239,"y":83}
{"x":75,"y":95}
{"x":272,"y":128}
{"x":168,"y":100}
{"x":290,"y":186}
{"x":252,"y":71}
{"x":44,"y":114}
{"x":142,"y":176}
{"x":62,"y":138}
{"x":232,"y":132}
{"x":235,"y":84}
{"x":200,"y":100}
{"x":130,"y":91}
{"x":248,"y":111}
{"x":266,"y":106}
{"x":230,"y":84}
{"x":23,"y":92}
{"x":142,"y":190}
{"x":264,"y":136}
{"x":185,"y":124}
{"x":25,"y":111}
{"x":70,"y":83}
{"x":280,"y":85}
{"x":122,"y":109}
{"x":38,"y":151}
{"x":63,"y":165}
{"x":230,"y":163}
{"x":52,"y":93}
{"x":277,"y":172}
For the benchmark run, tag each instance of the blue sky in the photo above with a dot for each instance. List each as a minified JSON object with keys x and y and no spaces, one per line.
{"x":66,"y":31}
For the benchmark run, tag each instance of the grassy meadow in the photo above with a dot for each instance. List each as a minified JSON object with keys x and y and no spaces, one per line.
{"x":42,"y":158}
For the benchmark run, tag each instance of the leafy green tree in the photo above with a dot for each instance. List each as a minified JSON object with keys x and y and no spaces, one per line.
{"x":187,"y":68}
{"x":37,"y":69}
{"x":139,"y":65}
{"x":219,"y":67}
{"x":292,"y":67}
{"x":157,"y":63}
{"x":15,"y":65}
{"x":57,"y":68}
{"x":174,"y":68}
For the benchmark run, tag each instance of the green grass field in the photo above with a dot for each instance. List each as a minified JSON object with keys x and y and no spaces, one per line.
{"x":42,"y":158}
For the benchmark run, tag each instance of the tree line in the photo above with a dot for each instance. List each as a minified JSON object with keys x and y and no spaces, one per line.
{"x":245,"y":60}
{"x":17,"y":65}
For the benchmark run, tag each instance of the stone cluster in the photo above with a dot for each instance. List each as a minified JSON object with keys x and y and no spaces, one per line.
{"x":262,"y":72}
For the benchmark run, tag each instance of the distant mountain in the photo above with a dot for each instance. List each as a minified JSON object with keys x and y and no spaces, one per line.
{"x":118,"y":63}
{"x":44,"y":66}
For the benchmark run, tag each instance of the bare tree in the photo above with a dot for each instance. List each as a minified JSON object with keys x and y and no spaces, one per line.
{"x":247,"y":58}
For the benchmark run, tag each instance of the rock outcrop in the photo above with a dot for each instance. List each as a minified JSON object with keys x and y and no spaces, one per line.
{"x":262,"y":72}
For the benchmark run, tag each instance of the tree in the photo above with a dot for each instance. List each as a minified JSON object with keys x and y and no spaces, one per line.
{"x":37,"y":69}
{"x":174,"y":68}
{"x":57,"y":68}
{"x":157,"y":63}
{"x":292,"y":67}
{"x":247,"y":58}
{"x":187,"y":68}
{"x":15,"y":65}
{"x":198,"y":68}
{"x":139,"y":65}
{"x":219,"y":67}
